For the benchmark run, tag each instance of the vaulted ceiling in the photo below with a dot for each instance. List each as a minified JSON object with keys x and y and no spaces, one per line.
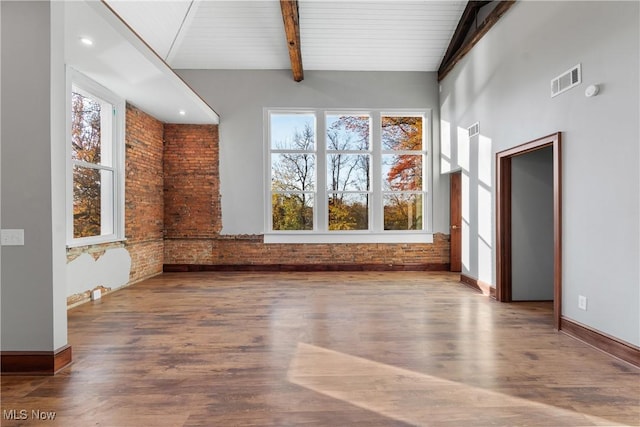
{"x":355,"y":35}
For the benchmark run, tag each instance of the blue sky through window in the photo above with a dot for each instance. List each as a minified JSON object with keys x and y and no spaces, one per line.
{"x":284,"y":126}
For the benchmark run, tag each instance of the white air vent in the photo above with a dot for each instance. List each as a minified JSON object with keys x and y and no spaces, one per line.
{"x":474,"y":129}
{"x":566,"y":80}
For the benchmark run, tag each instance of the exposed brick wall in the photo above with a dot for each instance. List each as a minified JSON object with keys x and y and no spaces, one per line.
{"x":191,"y":186}
{"x":146,"y":259}
{"x":144,"y":198}
{"x":250,"y":250}
{"x":188,"y":251}
{"x":144,"y":194}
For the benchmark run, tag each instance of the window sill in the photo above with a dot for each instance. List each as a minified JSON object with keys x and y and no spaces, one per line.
{"x":354,"y":237}
{"x":93,"y":241}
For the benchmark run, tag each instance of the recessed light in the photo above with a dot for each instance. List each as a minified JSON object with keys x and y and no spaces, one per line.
{"x":182,"y":113}
{"x":86,"y":41}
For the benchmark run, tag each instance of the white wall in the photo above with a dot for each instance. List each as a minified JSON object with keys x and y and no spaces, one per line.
{"x":532,"y":226}
{"x":504,"y":84}
{"x":240,"y":97}
{"x":33,"y":284}
{"x":110,"y":270}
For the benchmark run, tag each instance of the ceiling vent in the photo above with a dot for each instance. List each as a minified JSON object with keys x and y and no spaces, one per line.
{"x":566,"y":80}
{"x":474,"y":129}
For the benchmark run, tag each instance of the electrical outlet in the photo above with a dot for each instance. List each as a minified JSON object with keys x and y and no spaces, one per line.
{"x":582,"y":302}
{"x":96,"y":294}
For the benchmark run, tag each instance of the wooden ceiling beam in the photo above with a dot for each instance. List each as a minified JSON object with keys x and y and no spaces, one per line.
{"x":461,"y":43}
{"x":464,"y":25}
{"x":292,"y":30}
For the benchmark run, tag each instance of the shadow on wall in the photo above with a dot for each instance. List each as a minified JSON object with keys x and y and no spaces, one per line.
{"x":474,"y":157}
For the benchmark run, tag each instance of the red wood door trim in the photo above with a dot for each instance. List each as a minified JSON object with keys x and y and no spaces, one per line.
{"x":455,"y":221}
{"x":503,"y":219}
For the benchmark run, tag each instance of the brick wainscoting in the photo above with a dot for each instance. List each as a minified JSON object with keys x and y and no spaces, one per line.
{"x":243,"y":251}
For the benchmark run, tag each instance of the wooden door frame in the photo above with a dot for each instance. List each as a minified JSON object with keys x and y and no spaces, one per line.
{"x":503,"y":219}
{"x":455,"y":183}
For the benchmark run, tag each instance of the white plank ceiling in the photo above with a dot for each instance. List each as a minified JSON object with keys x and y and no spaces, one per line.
{"x":374,"y":35}
{"x":118,"y":60}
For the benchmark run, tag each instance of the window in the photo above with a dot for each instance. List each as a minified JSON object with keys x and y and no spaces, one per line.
{"x":95,"y":179}
{"x":402,"y":160}
{"x":348,"y":171}
{"x":346,"y":175}
{"x":293,"y":171}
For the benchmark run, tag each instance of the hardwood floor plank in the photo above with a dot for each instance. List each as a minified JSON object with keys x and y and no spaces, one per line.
{"x":323,"y":349}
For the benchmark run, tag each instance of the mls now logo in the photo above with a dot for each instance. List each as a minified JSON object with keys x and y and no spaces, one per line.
{"x":23,"y":414}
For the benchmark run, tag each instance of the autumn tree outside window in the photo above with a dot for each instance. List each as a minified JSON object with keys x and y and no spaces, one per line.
{"x":347,"y":172}
{"x":293,"y":171}
{"x":95,"y":187}
{"x":402,"y":170}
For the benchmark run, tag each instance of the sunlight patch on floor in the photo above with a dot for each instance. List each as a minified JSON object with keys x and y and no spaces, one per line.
{"x":420,"y":399}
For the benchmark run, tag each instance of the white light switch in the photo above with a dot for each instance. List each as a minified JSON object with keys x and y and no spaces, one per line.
{"x":12,"y":237}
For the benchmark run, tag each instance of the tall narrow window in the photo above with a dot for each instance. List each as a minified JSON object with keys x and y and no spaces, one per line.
{"x":348,"y":171}
{"x":293,"y":171}
{"x":95,"y":158}
{"x":402,"y":168}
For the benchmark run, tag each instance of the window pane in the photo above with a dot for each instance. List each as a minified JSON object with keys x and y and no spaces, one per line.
{"x":92,"y":202}
{"x":401,"y":133}
{"x":348,"y":211}
{"x":292,"y":211}
{"x":293,"y":172}
{"x":403,"y":212}
{"x":348,"y":172}
{"x":85,"y":129}
{"x":346,"y":133}
{"x":402,"y":172}
{"x":293,"y":131}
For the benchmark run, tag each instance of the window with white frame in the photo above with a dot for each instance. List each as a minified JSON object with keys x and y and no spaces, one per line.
{"x":95,"y":163}
{"x":348,"y":156}
{"x":293,"y":171}
{"x":347,"y":172}
{"x":403,"y":156}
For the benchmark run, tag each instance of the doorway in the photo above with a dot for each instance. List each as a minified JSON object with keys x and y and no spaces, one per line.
{"x":455,"y":222}
{"x":504,"y":219}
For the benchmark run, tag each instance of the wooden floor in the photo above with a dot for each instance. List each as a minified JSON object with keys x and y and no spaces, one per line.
{"x":323,"y":349}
